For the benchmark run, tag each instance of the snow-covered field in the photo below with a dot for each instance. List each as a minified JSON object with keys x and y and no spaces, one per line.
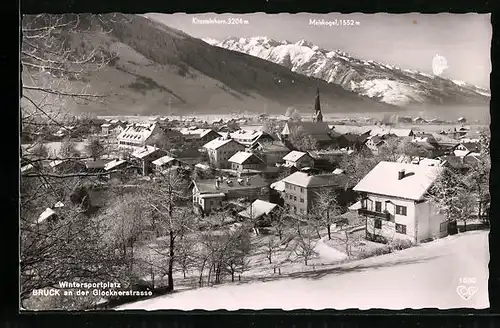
{"x":425,"y":276}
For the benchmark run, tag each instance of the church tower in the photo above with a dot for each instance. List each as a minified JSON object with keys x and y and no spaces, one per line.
{"x":318,"y":116}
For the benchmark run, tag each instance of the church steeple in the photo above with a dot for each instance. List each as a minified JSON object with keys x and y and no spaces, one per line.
{"x":318,"y":116}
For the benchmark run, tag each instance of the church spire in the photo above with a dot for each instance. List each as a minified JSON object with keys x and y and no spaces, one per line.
{"x":318,"y":116}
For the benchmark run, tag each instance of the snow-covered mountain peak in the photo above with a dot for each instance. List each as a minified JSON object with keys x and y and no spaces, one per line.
{"x":385,"y":82}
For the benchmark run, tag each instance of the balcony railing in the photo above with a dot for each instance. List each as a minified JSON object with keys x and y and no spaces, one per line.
{"x":382,"y":215}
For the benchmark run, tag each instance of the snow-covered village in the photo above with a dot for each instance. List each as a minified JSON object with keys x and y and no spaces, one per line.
{"x":165,"y":167}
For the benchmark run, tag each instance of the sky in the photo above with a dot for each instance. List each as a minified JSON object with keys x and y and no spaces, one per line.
{"x":409,"y":41}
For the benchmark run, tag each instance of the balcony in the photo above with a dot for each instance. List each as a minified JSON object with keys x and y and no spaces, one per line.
{"x":381,"y":215}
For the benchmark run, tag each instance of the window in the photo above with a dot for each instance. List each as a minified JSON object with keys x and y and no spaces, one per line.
{"x":378,"y":206}
{"x":378,"y":224}
{"x":401,"y":228}
{"x":401,"y":210}
{"x":295,"y":198}
{"x":301,"y":190}
{"x":295,"y":209}
{"x":291,"y":197}
{"x":211,"y":203}
{"x":301,"y":200}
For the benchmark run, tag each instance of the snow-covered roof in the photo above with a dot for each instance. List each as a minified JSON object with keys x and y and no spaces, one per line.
{"x":382,"y":131}
{"x":217,"y":143}
{"x":194,"y":131}
{"x":338,"y":171}
{"x":26,"y":168}
{"x":241,"y":157}
{"x":356,"y":206}
{"x":138,"y":133}
{"x":45,"y":215}
{"x":384,"y":180}
{"x":55,"y":162}
{"x":59,"y":204}
{"x":163,"y":160}
{"x":202,"y":166}
{"x":111,"y":165}
{"x":257,"y":209}
{"x":247,"y":135}
{"x":294,"y":156}
{"x":278,"y":185}
{"x":144,"y":151}
{"x":302,"y":179}
{"x":353,"y":129}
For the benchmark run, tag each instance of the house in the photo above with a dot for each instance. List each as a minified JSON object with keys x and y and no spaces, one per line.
{"x":115,"y":165}
{"x":197,"y":137}
{"x":146,"y":155}
{"x":114,"y":127}
{"x":243,"y":161}
{"x":95,"y":166}
{"x":301,"y":190}
{"x":466,"y":148}
{"x":419,"y":120}
{"x":220,"y":151}
{"x":298,"y":159}
{"x":462,"y":120}
{"x":189,"y":156}
{"x":66,"y":166}
{"x":209,"y":194}
{"x":384,"y":131}
{"x":166,"y":162}
{"x":138,"y":135}
{"x":395,"y":205}
{"x":250,"y":137}
{"x":270,"y":152}
{"x":259,"y":210}
{"x":459,"y":164}
{"x":374,"y":144}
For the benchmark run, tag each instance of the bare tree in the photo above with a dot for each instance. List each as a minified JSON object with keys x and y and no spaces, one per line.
{"x":305,"y":244}
{"x":165,"y":199}
{"x":72,"y":249}
{"x":327,"y":209}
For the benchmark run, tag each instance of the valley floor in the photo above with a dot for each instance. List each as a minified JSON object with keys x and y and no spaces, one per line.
{"x":426,"y":276}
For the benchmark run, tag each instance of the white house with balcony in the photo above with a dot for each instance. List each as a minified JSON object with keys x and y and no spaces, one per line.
{"x":393,"y":200}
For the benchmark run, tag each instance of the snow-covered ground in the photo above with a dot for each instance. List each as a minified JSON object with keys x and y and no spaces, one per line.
{"x":425,"y":276}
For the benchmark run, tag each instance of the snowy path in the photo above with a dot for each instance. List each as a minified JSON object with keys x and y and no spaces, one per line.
{"x":328,"y":254}
{"x":421,"y":277}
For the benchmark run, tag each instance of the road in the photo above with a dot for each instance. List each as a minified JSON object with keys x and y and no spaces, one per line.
{"x":425,"y":276}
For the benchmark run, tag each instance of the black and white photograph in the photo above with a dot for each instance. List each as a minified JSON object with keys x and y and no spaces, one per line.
{"x":254,"y":161}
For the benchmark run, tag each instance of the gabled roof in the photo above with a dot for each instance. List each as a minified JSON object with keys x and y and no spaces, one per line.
{"x":472,"y":146}
{"x":194,"y":131}
{"x":352,"y":129}
{"x":209,"y":185}
{"x":97,"y":164}
{"x":247,"y":134}
{"x":294,"y":156}
{"x":115,"y":163}
{"x":257,"y":209}
{"x":241,"y":157}
{"x":382,"y":131}
{"x":137,"y":133}
{"x":144,"y":152}
{"x":163,"y":160}
{"x":219,"y":142}
{"x":317,"y":130}
{"x":278,"y":185}
{"x":276,"y":146}
{"x":302,"y":179}
{"x":383,"y":180}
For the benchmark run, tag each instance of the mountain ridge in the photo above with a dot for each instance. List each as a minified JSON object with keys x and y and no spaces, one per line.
{"x":384,"y":82}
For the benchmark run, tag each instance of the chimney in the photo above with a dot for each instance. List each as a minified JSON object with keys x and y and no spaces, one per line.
{"x":401,"y":174}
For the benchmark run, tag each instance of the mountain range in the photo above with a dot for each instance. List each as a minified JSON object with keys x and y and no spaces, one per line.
{"x":386,"y":83}
{"x":158,"y":70}
{"x":155,"y":69}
